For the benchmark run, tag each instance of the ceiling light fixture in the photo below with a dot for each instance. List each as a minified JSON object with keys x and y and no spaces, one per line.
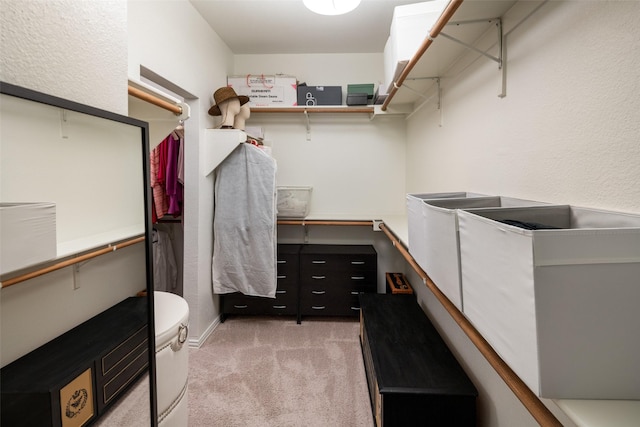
{"x":331,"y":7}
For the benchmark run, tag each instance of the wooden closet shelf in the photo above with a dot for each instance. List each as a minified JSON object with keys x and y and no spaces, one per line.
{"x":303,"y":109}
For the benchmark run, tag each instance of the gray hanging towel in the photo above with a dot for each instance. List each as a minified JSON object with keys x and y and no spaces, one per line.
{"x":244,"y":223}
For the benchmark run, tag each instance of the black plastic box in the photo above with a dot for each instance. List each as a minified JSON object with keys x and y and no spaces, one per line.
{"x":319,"y":95}
{"x":357,"y":99}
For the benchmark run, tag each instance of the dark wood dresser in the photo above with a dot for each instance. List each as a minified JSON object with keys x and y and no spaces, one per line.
{"x":413,"y":378}
{"x":333,"y":276}
{"x":286,"y":300}
{"x":73,"y":379}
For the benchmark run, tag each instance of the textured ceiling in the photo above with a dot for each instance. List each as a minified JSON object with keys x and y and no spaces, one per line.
{"x":287,"y":26}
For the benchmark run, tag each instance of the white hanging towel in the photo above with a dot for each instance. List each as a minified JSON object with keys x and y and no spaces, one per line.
{"x":244,"y":224}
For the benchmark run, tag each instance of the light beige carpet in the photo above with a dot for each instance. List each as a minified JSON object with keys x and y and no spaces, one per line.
{"x":272,"y":372}
{"x":267,"y":372}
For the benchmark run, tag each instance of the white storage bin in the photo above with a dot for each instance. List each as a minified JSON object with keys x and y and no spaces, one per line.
{"x":416,"y":225}
{"x":559,"y":306}
{"x":277,"y":90}
{"x":410,"y":25}
{"x":28,"y":233}
{"x":294,"y":202}
{"x":441,"y":257}
{"x":171,"y":316}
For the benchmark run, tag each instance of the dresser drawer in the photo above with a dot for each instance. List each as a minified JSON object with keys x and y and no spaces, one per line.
{"x":345,"y":256}
{"x":287,"y":259}
{"x":350,"y":263}
{"x":237,"y":303}
{"x":120,"y":366}
{"x":330,"y":301}
{"x":348,"y":280}
{"x":287,"y":281}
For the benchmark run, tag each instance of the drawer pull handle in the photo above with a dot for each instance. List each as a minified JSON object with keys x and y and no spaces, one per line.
{"x":281,"y":261}
{"x":282,"y":277}
{"x":355,"y":293}
{"x":319,"y":277}
{"x":280,"y":291}
{"x":318,"y":262}
{"x":355,"y":308}
{"x":318,"y":292}
{"x":357,"y":277}
{"x":279,"y":307}
{"x":318,"y":307}
{"x":357,"y":262}
{"x":240,"y":306}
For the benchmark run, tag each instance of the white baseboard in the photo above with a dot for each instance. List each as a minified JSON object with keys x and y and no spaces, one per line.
{"x":197,"y":342}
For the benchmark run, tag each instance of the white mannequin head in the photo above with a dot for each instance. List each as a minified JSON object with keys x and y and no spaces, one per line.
{"x":227,"y":105}
{"x":242,"y":116}
{"x":229,"y":109}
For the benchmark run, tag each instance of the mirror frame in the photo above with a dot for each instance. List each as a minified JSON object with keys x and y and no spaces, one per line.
{"x":39,"y":97}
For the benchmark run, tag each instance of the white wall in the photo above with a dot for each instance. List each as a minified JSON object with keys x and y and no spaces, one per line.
{"x":355,"y":165}
{"x":64,"y":48}
{"x":173,"y":41}
{"x":567,"y":132}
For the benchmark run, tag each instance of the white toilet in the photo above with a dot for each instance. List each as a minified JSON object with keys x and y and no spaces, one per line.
{"x":172,"y":358}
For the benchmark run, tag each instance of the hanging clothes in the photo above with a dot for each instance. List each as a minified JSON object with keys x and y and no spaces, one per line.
{"x":244,"y":224}
{"x":179,"y":133}
{"x":160,"y":206}
{"x":173,"y":188}
{"x":165,"y":167}
{"x":165,"y":269}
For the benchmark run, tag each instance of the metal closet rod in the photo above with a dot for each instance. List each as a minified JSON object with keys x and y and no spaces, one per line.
{"x":447,"y":14}
{"x":70,"y":261}
{"x":529,"y":400}
{"x":154,"y":100}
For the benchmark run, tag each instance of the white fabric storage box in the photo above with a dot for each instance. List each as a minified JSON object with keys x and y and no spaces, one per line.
{"x":28,"y":233}
{"x":441,"y":258}
{"x":410,"y":25}
{"x":415,"y":217}
{"x":559,"y":306}
{"x":171,"y":317}
{"x":277,"y":90}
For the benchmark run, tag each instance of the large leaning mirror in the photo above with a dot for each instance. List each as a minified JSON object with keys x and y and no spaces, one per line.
{"x":76,"y":302}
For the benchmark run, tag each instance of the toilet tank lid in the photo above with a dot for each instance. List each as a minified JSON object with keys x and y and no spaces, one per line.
{"x":170,"y":311}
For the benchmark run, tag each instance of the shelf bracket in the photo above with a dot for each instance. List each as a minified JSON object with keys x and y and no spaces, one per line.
{"x":502,"y":45}
{"x":502,"y":51}
{"x":423,"y":96}
{"x":428,"y":98}
{"x":306,"y":116}
{"x":497,"y":59}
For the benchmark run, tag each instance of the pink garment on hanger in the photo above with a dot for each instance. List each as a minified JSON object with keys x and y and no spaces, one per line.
{"x":172,"y":186}
{"x":181,"y":161}
{"x":159,"y":195}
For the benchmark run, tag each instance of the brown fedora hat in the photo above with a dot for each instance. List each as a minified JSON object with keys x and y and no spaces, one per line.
{"x":224,"y":94}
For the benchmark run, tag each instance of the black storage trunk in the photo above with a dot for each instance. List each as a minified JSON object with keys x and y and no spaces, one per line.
{"x":413,"y":378}
{"x":94,"y":363}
